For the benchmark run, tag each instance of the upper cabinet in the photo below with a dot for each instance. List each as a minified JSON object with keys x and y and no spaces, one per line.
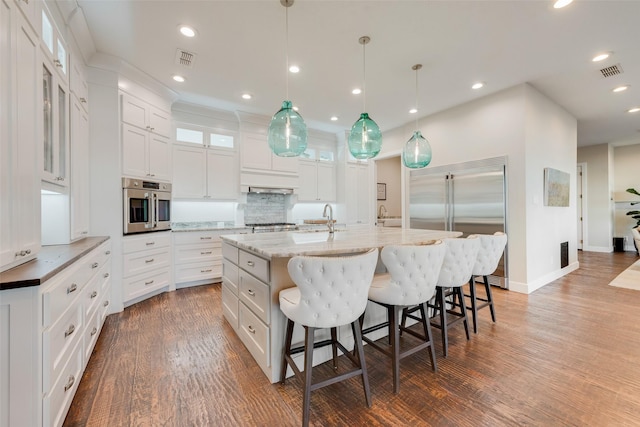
{"x":317,"y":181}
{"x":146,"y":148}
{"x":19,"y":139}
{"x":54,"y":47}
{"x":256,"y":155}
{"x":78,"y":82}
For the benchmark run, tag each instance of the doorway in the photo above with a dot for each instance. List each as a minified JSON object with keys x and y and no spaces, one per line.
{"x":388,"y":175}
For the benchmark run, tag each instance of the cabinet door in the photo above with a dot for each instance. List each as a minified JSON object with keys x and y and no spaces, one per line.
{"x":134,"y":151}
{"x":222,"y":175}
{"x":284,"y":164}
{"x":255,"y":152}
{"x":78,"y":82}
{"x":159,"y":157}
{"x":189,"y":172}
{"x":308,"y":181}
{"x":326,"y":181}
{"x":159,"y":121}
{"x":7,"y":16}
{"x":79,"y":171}
{"x":134,"y":111}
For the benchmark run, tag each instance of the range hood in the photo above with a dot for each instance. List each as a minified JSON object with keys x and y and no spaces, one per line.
{"x":270,"y":190}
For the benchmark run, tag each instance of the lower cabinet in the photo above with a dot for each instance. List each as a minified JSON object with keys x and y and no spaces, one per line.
{"x":197,"y":257}
{"x":146,"y":265}
{"x":47,"y":334}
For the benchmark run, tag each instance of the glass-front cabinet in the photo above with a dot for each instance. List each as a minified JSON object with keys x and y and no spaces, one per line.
{"x":55,"y":106}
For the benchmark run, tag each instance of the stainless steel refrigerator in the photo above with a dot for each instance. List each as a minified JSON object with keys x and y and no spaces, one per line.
{"x":467,"y":197}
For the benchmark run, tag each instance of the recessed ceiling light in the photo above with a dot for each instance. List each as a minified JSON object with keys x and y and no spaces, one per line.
{"x":601,"y":57}
{"x":178,"y":78}
{"x":633,"y":110}
{"x":246,"y":96}
{"x":620,"y":88}
{"x":334,"y":118}
{"x":187,"y":31}
{"x":294,"y":69}
{"x":477,"y":85}
{"x":561,"y":3}
{"x":413,"y":111}
{"x":356,"y":91}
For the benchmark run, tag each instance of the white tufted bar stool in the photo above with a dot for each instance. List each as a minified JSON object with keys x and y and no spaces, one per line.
{"x":456,"y":271}
{"x":491,"y":249}
{"x":412,"y":278}
{"x":329,"y":292}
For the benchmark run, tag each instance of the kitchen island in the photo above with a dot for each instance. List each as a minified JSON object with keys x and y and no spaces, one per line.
{"x":255,"y":271}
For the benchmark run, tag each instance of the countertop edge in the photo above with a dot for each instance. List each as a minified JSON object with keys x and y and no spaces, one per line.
{"x":50,"y":261}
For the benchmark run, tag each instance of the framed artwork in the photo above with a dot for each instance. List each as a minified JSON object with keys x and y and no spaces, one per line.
{"x":556,"y":187}
{"x":382,"y":191}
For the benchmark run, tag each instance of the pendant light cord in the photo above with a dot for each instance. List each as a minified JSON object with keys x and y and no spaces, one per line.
{"x":286,"y":32}
{"x":417,"y":98}
{"x":364,"y":78}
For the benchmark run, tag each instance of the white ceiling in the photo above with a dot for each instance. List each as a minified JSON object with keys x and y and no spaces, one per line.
{"x":240,"y":47}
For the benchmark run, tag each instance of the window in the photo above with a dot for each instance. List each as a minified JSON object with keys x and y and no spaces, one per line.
{"x":47,"y":32}
{"x":326,"y":156}
{"x":225,"y":141}
{"x":309,"y":153}
{"x":189,"y":135}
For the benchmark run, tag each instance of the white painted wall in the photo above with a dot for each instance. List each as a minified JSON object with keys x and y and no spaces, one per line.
{"x":626,"y":174}
{"x":525,"y":126}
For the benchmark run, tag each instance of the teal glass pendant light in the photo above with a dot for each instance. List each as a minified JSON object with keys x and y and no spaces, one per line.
{"x":417,"y":150}
{"x":287,"y":134}
{"x":365,"y":138}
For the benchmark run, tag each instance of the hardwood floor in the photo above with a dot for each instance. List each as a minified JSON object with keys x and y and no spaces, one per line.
{"x":566,"y":355}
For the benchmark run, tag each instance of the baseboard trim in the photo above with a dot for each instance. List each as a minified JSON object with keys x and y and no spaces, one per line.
{"x":605,"y":249}
{"x":527,"y":288}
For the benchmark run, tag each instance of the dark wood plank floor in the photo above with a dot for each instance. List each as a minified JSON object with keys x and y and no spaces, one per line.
{"x":566,"y":355}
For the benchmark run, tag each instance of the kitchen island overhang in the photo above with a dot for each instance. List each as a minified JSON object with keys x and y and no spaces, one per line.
{"x":255,"y":271}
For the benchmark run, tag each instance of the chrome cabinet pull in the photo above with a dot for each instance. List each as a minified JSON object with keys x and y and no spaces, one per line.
{"x":94,"y":294}
{"x":72,"y":288}
{"x":147,"y":261}
{"x":206,"y":253}
{"x":107,"y":253}
{"x":94,"y":331}
{"x":106,"y":275}
{"x":57,"y":63}
{"x":250,"y":328}
{"x":69,"y":383}
{"x":150,"y":243}
{"x":148,"y":283}
{"x":250,"y":263}
{"x":28,"y":251}
{"x":83,"y":100}
{"x":94,"y":265}
{"x":106,"y":303}
{"x":206,"y":271}
{"x":71,"y":329}
{"x":206,"y":238}
{"x":250,"y":292}
{"x":23,"y":252}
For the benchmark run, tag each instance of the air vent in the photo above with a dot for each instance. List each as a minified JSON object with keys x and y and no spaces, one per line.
{"x":184,"y":58}
{"x":611,"y":71}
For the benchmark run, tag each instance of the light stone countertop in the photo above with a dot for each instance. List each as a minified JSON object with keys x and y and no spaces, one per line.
{"x":291,"y":243}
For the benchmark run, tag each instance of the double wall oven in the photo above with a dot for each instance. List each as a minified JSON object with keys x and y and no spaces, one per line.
{"x":147,"y":206}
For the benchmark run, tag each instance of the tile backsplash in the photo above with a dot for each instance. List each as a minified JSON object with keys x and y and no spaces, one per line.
{"x":264,"y":208}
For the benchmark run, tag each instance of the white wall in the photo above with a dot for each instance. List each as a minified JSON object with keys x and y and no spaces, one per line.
{"x":525,"y":126}
{"x":388,"y":171}
{"x":626,"y":174}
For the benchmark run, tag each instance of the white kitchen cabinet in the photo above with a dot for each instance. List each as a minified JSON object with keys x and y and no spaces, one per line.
{"x":146,"y":265}
{"x":256,"y":155}
{"x":79,"y":186}
{"x":197,"y":257}
{"x":144,"y":154}
{"x":78,"y":82}
{"x":43,"y":344}
{"x":358,"y":193}
{"x":317,"y":181}
{"x":55,"y":127}
{"x":20,"y":74}
{"x":54,"y":47}
{"x":143,"y":115}
{"x":30,"y":9}
{"x":205,"y":172}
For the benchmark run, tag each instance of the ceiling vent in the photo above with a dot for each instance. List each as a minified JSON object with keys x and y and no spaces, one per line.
{"x":184,"y":58}
{"x":611,"y":71}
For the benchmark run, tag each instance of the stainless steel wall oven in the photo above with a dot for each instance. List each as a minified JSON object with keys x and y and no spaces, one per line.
{"x":146,"y":205}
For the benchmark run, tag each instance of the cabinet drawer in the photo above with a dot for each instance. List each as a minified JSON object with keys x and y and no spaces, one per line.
{"x":143,"y":284}
{"x":57,"y":343}
{"x":230,"y":252}
{"x":199,"y":271}
{"x":146,"y":241}
{"x":198,"y":252}
{"x":91,"y":333}
{"x":56,"y":403}
{"x":103,"y":307}
{"x":255,"y":295}
{"x":230,"y":307}
{"x":254,"y":334}
{"x":190,"y":237}
{"x":105,"y":276}
{"x":255,"y":265}
{"x":141,"y":262}
{"x":230,"y":276}
{"x":92,"y":294}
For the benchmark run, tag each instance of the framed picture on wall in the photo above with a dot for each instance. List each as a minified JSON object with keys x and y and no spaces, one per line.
{"x":382,"y":191}
{"x":556,"y":187}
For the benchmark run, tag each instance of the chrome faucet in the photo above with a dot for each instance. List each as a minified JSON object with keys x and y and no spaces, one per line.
{"x":382,"y":211}
{"x":330,"y":217}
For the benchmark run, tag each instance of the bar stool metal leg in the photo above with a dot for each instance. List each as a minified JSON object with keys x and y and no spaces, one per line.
{"x":309,"y":333}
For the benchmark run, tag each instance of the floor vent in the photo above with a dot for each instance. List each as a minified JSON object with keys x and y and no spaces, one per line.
{"x":564,"y":254}
{"x":184,"y":58}
{"x":611,"y":71}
